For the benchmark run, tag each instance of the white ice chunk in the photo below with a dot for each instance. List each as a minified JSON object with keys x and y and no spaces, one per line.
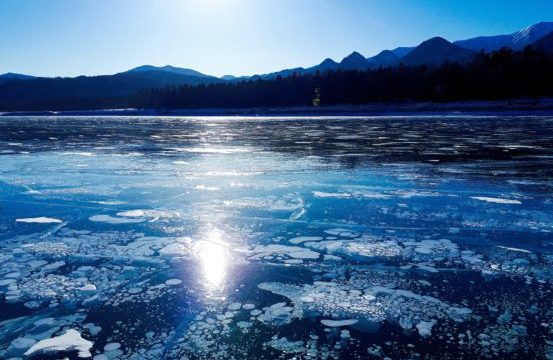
{"x":338,"y":323}
{"x":139,"y":213}
{"x":514,"y":249}
{"x":175,"y":249}
{"x":300,"y":239}
{"x":272,"y":250}
{"x":112,"y":346}
{"x":88,"y":289}
{"x":40,"y":220}
{"x":321,"y":194}
{"x":69,"y":341}
{"x":235,"y":306}
{"x":173,"y":282}
{"x":115,"y":220}
{"x":287,"y":346}
{"x":495,"y":200}
{"x":425,"y":328}
{"x":297,"y":214}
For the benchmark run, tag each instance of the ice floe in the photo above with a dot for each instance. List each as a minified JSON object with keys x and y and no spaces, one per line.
{"x":339,"y":323}
{"x":287,"y":202}
{"x":286,"y":346}
{"x":372,"y":304}
{"x":171,"y":282}
{"x":496,"y":200}
{"x":115,"y":220}
{"x":514,"y":249}
{"x":322,"y":194}
{"x":135,"y":216}
{"x":39,"y":220}
{"x":276,"y":251}
{"x":278,"y":314}
{"x":301,"y":239}
{"x":69,"y":341}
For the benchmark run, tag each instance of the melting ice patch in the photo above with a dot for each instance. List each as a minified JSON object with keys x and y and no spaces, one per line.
{"x":80,"y":153}
{"x":69,"y":341}
{"x":372,"y":304}
{"x":301,"y":239}
{"x":339,"y":323}
{"x":110,"y":202}
{"x":153,"y":214}
{"x":367,"y":194}
{"x":368,"y":247}
{"x":287,"y":202}
{"x":278,"y":314}
{"x":279,"y":252}
{"x":135,"y":216}
{"x":297,"y":214}
{"x":496,"y":200}
{"x":114,"y":220}
{"x":40,"y":220}
{"x":322,"y":194}
{"x":514,"y":249}
{"x":425,"y":328}
{"x":287,"y":346}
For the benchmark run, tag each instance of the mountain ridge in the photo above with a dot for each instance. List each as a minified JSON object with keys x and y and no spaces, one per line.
{"x":169,"y":69}
{"x":516,"y":41}
{"x":19,"y":89}
{"x":435,"y":51}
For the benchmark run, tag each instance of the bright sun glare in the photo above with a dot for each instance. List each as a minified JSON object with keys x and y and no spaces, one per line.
{"x":213,"y":256}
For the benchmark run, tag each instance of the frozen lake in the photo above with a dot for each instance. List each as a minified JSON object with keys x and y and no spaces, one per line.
{"x":263,"y":238}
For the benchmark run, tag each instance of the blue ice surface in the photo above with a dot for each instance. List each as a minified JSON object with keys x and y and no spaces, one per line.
{"x":219,"y":238}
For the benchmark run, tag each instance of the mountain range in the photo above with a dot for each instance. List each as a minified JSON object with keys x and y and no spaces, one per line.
{"x":14,"y":76}
{"x":516,"y":41}
{"x":432,"y":52}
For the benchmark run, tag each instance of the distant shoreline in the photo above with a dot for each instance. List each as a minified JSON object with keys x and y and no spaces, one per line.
{"x":511,"y":107}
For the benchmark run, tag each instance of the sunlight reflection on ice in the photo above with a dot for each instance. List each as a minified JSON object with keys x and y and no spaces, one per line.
{"x":213,"y":255}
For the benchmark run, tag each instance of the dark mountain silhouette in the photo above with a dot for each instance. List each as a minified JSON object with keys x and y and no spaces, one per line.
{"x":87,"y":91}
{"x":354,"y":61}
{"x":545,"y":43}
{"x":384,"y":58}
{"x":282,"y":73}
{"x":486,"y":43}
{"x":327,"y":65}
{"x":23,"y":92}
{"x":515,"y":41}
{"x":13,"y":76}
{"x":435,"y":51}
{"x":500,"y":75}
{"x":402,"y":50}
{"x":169,"y":69}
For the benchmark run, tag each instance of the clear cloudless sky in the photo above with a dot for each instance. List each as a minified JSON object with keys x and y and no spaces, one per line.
{"x":239,"y":37}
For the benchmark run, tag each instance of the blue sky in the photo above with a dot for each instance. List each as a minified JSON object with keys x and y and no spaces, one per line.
{"x":240,"y":37}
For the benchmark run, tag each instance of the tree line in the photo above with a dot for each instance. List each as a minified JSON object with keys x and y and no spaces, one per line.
{"x":499,"y":75}
{"x":503,"y":74}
